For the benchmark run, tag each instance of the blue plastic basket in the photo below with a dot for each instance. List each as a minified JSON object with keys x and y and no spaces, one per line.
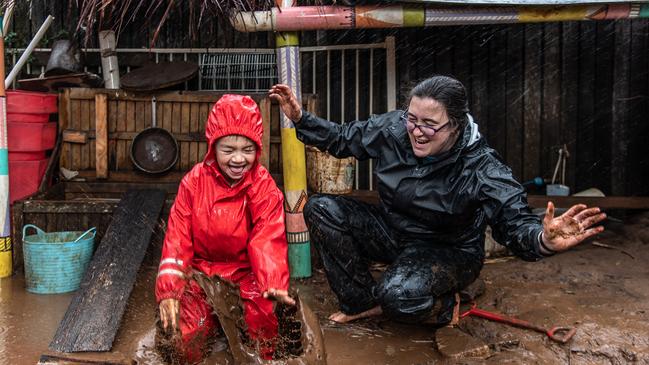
{"x":55,"y":262}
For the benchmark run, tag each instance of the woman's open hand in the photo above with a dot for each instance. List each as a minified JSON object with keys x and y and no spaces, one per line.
{"x":572,"y":227}
{"x":287,"y":101}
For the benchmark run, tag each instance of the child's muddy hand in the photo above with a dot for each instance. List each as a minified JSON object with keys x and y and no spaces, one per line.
{"x":169,"y":309}
{"x":279,"y":296}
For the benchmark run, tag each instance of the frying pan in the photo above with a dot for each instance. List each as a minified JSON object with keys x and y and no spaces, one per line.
{"x":154,"y":150}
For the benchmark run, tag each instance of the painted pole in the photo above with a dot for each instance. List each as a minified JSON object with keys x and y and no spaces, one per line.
{"x":293,"y":157}
{"x":418,"y":15}
{"x":6,"y":267}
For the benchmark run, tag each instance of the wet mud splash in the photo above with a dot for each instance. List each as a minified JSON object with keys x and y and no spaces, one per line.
{"x":300,"y":337}
{"x":602,"y":292}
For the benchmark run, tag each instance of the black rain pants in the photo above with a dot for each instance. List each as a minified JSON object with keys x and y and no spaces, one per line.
{"x":418,"y":286}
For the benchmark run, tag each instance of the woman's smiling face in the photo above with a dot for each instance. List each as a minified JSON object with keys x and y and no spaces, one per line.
{"x":426,"y":122}
{"x":235,"y":156}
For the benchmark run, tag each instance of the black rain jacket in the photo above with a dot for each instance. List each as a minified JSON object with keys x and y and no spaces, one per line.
{"x":447,"y":199}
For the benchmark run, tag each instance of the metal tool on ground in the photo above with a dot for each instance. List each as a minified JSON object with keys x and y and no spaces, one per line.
{"x":557,"y":334}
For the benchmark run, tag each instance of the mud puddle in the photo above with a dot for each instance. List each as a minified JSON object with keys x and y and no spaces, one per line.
{"x":602,"y":292}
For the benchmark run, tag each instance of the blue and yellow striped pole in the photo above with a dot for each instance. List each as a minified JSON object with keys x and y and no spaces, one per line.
{"x":293,"y":159}
{"x":6,"y":267}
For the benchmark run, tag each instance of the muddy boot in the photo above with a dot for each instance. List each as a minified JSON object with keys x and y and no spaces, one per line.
{"x":300,"y":341}
{"x":473,"y":291}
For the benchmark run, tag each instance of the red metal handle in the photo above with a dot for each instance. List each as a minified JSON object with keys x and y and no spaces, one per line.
{"x":561,"y":334}
{"x":558,"y":334}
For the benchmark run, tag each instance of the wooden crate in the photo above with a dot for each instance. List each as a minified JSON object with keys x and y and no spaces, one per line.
{"x":183,"y":113}
{"x":78,"y":206}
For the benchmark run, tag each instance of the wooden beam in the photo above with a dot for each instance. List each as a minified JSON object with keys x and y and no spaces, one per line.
{"x":94,"y":315}
{"x":101,"y":131}
{"x":74,"y":136}
{"x":541,"y":201}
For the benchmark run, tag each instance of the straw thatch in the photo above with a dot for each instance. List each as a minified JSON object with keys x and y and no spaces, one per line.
{"x":94,"y":15}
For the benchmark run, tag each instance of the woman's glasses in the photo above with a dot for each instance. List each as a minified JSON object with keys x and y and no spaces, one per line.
{"x":427,"y":130}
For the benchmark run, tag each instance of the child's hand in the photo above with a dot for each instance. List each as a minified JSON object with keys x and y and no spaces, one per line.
{"x":279,"y":295}
{"x":169,"y":309}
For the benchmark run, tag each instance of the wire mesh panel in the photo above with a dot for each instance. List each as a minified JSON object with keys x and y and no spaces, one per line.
{"x":237,"y":71}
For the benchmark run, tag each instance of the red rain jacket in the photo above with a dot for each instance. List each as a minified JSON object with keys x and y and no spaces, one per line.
{"x":223,"y":230}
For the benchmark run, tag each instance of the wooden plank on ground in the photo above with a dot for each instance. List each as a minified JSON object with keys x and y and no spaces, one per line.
{"x":101,"y":131}
{"x":96,"y":310}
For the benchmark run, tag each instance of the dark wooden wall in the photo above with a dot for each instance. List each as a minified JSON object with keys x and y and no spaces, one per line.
{"x":532,"y":87}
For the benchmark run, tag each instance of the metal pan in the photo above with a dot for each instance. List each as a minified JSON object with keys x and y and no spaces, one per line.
{"x":154,"y":150}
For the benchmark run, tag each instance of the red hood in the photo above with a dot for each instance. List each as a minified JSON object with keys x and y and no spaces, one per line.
{"x":233,"y":114}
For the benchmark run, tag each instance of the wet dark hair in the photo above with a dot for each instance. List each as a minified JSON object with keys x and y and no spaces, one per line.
{"x":450,"y":93}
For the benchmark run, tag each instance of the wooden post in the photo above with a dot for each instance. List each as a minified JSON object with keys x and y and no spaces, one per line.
{"x":101,"y":135}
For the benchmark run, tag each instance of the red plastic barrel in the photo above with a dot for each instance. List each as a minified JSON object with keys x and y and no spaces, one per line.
{"x":31,"y":137}
{"x":25,"y":177}
{"x":29,"y":102}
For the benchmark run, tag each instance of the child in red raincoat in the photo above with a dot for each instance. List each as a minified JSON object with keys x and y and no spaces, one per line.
{"x":227,"y":220}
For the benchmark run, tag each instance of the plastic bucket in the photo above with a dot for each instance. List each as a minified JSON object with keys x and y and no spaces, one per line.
{"x":55,"y":262}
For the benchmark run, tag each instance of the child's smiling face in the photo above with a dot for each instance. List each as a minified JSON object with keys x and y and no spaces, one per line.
{"x":235,"y":156}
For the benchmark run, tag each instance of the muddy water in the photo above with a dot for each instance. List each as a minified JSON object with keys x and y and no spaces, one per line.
{"x":604,"y":293}
{"x":27,"y":321}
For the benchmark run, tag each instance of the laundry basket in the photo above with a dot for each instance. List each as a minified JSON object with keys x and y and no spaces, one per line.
{"x":55,"y":262}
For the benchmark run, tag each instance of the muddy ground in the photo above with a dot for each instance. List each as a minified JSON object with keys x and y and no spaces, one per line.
{"x":601,"y":291}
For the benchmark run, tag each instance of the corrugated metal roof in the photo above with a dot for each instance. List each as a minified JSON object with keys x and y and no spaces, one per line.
{"x":523,"y":2}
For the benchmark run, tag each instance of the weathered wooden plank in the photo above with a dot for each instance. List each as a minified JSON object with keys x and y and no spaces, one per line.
{"x":17,"y":219}
{"x":541,"y":201}
{"x":91,"y":146}
{"x":570,"y":96}
{"x":75,"y":123}
{"x":64,"y":122}
{"x":112,"y":127}
{"x":94,"y":315}
{"x":514,"y":94}
{"x":604,"y":81}
{"x":209,"y":97}
{"x":637,"y":171}
{"x":480,"y":80}
{"x":122,"y":153}
{"x":78,"y":188}
{"x":65,"y":206}
{"x":620,"y":108}
{"x":551,"y":138}
{"x":84,"y":119}
{"x":185,"y":122}
{"x":101,"y":130}
{"x":129,"y":176}
{"x":193,"y":146}
{"x":532,"y":101}
{"x":585,"y":153}
{"x":497,"y":100}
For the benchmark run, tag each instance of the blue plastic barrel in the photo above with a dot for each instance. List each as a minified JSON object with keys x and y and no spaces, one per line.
{"x":55,"y":262}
